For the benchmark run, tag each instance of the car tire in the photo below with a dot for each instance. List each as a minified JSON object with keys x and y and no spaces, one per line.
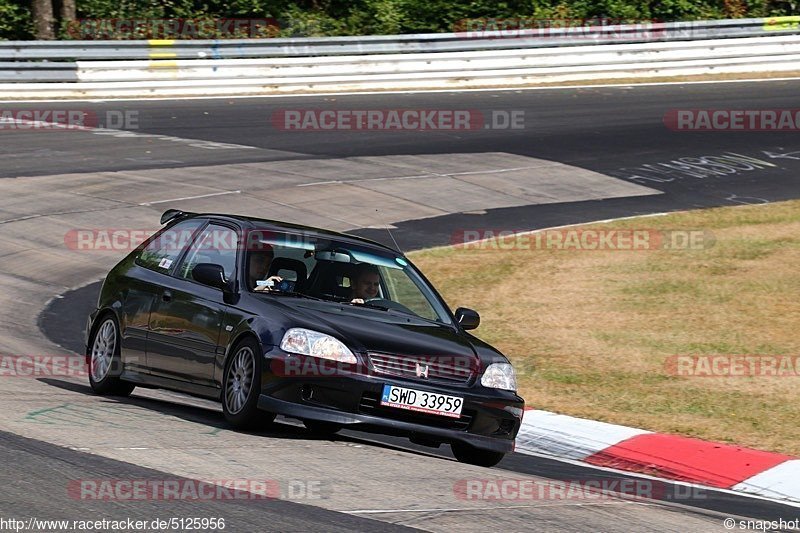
{"x":322,"y":428}
{"x":241,"y":386}
{"x":466,"y":453}
{"x":105,"y":363}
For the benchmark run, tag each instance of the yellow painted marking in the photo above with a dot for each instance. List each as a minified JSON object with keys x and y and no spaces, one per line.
{"x":163,"y":64}
{"x":163,"y":55}
{"x":782,"y":23}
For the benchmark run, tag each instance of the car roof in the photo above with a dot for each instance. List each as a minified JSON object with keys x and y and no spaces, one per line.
{"x":276,"y":225}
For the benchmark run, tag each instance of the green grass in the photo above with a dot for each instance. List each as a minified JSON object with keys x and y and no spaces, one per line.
{"x":591,"y":332}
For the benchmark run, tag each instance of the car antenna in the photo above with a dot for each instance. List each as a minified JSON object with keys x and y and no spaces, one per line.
{"x":397,"y":246}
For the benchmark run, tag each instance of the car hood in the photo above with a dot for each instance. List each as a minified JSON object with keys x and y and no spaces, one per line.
{"x":374,"y":330}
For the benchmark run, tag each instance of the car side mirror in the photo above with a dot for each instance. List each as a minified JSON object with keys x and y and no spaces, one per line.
{"x":210,"y":274}
{"x":467,"y":318}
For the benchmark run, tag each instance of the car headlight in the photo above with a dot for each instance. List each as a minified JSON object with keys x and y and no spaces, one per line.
{"x":500,"y":376}
{"x":309,"y":342}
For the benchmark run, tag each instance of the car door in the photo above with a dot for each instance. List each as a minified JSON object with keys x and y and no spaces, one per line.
{"x":185,"y":324}
{"x":143,"y":283}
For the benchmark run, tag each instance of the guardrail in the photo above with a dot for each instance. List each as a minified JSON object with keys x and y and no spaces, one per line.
{"x":38,"y":69}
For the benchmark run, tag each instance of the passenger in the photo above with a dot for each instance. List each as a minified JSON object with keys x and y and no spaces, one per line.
{"x":258,"y":268}
{"x":365,"y":284}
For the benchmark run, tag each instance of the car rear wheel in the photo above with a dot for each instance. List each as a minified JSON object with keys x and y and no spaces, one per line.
{"x":241,"y":387}
{"x":322,"y":428}
{"x":105,"y":363}
{"x":466,"y":453}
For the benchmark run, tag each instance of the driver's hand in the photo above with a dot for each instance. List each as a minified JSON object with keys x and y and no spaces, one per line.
{"x":274,"y":279}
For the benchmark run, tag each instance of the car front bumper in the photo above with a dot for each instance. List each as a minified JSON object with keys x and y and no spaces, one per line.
{"x":490,"y":418}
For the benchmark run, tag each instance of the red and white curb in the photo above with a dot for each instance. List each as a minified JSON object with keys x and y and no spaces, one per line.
{"x":723,"y":466}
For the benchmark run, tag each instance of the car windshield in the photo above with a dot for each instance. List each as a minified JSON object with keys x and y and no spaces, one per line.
{"x":343,"y":272}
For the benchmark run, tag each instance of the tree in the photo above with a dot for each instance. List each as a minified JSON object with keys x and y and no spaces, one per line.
{"x":68,"y":11}
{"x":43,"y":20}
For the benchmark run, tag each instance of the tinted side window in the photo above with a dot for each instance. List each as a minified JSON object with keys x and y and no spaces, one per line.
{"x":161,"y":253}
{"x":217,"y":245}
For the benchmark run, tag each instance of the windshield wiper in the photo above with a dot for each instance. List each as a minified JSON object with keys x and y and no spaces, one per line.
{"x":376,"y":306}
{"x":391,"y":310}
{"x":292,"y":293}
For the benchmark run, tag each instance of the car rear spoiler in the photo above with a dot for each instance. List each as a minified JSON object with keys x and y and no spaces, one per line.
{"x":172,"y":214}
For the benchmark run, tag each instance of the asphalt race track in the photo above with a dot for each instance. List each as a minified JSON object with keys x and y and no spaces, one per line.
{"x":50,"y":468}
{"x":582,"y":155}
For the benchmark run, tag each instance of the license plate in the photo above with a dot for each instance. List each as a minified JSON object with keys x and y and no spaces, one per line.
{"x":422,"y":401}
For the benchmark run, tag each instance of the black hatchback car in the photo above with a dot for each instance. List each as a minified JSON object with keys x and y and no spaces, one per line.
{"x":273,"y":318}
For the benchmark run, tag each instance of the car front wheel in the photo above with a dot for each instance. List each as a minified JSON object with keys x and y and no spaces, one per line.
{"x":105,"y":363}
{"x":466,"y":453}
{"x":241,"y":386}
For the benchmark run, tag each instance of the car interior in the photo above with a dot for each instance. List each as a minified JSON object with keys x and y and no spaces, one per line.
{"x":291,"y":269}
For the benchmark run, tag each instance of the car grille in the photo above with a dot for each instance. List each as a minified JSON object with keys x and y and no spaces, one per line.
{"x":460,"y":370}
{"x":371,"y":405}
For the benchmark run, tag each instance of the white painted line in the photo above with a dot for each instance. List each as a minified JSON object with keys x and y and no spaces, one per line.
{"x":570,"y":437}
{"x":59,"y":213}
{"x":417,"y":91}
{"x":190,"y":197}
{"x":331,"y":182}
{"x":422,"y":176}
{"x":500,"y":170}
{"x":781,"y":481}
{"x":194,"y":143}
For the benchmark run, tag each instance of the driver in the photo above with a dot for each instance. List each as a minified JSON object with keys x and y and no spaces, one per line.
{"x":366,"y":283}
{"x":258,"y":267}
